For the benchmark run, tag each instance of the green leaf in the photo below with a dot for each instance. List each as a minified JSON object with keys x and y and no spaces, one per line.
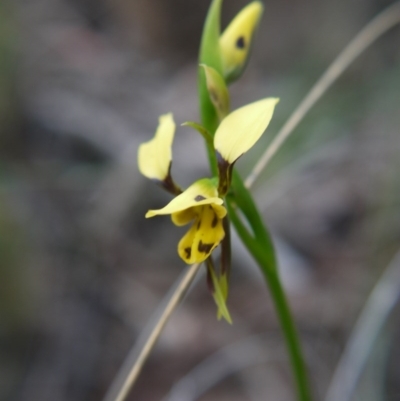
{"x":223,"y":283}
{"x":210,"y":55}
{"x":260,"y":246}
{"x":246,"y":204}
{"x":218,"y":296}
{"x":200,"y":129}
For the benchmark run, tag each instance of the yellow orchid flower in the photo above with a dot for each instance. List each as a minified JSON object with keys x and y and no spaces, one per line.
{"x":235,"y":42}
{"x":201,"y":204}
{"x":242,"y":128}
{"x":237,"y":133}
{"x":223,"y":59}
{"x":155,"y":156}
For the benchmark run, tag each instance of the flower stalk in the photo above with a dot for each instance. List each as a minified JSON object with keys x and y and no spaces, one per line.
{"x":261,"y":247}
{"x":204,"y":204}
{"x":237,"y":196}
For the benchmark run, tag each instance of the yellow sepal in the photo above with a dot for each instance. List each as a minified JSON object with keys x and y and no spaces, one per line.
{"x":242,"y":128}
{"x":155,"y":156}
{"x":236,"y":40}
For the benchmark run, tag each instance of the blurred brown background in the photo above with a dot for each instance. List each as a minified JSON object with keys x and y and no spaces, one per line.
{"x":82,"y":83}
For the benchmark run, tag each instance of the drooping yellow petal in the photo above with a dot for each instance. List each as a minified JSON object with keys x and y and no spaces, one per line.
{"x":155,"y":156}
{"x":202,"y":192}
{"x":205,"y":234}
{"x":185,"y":245}
{"x":235,"y":42}
{"x":242,"y":128}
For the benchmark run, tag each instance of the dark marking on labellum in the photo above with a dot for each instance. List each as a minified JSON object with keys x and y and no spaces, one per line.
{"x":205,"y":248}
{"x":240,"y":43}
{"x":215,"y":221}
{"x":199,"y":198}
{"x":188,"y":252}
{"x":199,"y":224}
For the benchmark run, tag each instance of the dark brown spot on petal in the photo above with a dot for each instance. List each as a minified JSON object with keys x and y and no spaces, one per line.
{"x":205,"y":248}
{"x":215,"y":221}
{"x":240,"y":43}
{"x":188,"y":252}
{"x":199,"y":224}
{"x":199,"y":198}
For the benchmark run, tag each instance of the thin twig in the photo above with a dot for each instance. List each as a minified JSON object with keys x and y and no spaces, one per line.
{"x":372,"y":31}
{"x":225,"y":362}
{"x":377,"y":309}
{"x":230,"y":360}
{"x":129,"y":373}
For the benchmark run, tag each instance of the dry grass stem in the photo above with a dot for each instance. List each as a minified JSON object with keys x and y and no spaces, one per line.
{"x":377,"y":309}
{"x":118,"y":391}
{"x":372,"y":31}
{"x":223,"y":363}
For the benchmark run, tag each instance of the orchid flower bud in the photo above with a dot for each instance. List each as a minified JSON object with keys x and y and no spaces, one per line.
{"x":236,"y":41}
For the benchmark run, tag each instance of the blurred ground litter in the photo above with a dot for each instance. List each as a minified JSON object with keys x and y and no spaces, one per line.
{"x":82,"y":84}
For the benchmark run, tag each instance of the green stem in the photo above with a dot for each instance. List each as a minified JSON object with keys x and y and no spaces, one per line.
{"x":210,"y":56}
{"x":261,"y":247}
{"x":290,"y":332}
{"x":212,"y":158}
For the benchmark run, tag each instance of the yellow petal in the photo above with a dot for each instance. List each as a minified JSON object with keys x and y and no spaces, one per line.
{"x":242,"y":128}
{"x":202,"y":192}
{"x":155,"y":156}
{"x":219,"y":210}
{"x":205,"y":234}
{"x":235,"y":42}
